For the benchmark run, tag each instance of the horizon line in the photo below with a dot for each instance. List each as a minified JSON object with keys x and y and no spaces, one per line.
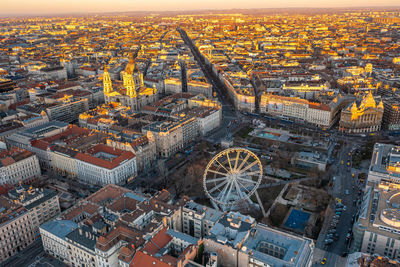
{"x":13,"y":15}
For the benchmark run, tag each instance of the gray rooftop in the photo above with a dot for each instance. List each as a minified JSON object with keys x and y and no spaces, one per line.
{"x":297,"y":249}
{"x":84,"y":237}
{"x":182,"y":236}
{"x":59,"y":228}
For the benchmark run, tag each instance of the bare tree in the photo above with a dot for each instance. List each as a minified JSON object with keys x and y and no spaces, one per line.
{"x":162,"y":172}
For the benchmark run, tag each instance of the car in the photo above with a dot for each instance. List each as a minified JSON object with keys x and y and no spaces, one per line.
{"x":344,"y":207}
{"x":348,"y":163}
{"x":349,"y":153}
{"x":347,"y":192}
{"x":341,"y":162}
{"x":332,"y":231}
{"x":323,"y":261}
{"x":338,"y":213}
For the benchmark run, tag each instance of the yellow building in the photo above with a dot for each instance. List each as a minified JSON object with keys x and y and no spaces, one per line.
{"x":362,"y":118}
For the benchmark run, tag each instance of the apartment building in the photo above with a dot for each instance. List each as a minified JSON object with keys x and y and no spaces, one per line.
{"x":42,"y":204}
{"x":67,"y":111}
{"x":137,"y":143}
{"x":384,"y":164}
{"x":111,"y":226}
{"x":197,"y":220}
{"x":81,"y":243}
{"x":199,"y":87}
{"x":167,"y":135}
{"x":16,"y":229}
{"x":377,"y":229}
{"x":29,"y":140}
{"x":391,"y":113}
{"x":18,"y":165}
{"x":53,"y":235}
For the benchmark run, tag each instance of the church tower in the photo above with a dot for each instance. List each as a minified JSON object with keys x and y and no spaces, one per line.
{"x":107,"y":83}
{"x":130,"y":87}
{"x":129,"y":82}
{"x":129,"y":69}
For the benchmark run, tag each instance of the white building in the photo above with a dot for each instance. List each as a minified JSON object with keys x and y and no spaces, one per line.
{"x":81,"y":244}
{"x":105,"y":165}
{"x":208,"y":120}
{"x":56,"y":73}
{"x":385,"y":164}
{"x":18,"y":165}
{"x":197,"y":220}
{"x":68,"y":111}
{"x":172,"y":86}
{"x":198,"y":87}
{"x":377,"y":229}
{"x":167,"y":135}
{"x":16,"y":230}
{"x":53,"y":235}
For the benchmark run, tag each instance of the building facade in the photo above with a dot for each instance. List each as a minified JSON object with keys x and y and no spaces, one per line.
{"x":53,"y":235}
{"x":42,"y":204}
{"x":133,"y":93}
{"x":18,"y":165}
{"x":16,"y":229}
{"x":363,"y":118}
{"x":68,"y":111}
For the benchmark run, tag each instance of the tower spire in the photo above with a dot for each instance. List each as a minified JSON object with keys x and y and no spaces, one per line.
{"x":107,"y":83}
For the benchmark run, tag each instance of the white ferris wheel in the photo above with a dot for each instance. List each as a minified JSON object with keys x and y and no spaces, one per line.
{"x":232,"y":175}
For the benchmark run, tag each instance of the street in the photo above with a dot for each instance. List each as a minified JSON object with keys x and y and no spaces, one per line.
{"x":345,"y":190}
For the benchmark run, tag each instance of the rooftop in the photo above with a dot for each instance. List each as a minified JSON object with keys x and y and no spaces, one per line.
{"x":292,"y":250}
{"x":59,"y":228}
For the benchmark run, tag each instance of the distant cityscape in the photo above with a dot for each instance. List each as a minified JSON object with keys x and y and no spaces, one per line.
{"x":231,"y":138}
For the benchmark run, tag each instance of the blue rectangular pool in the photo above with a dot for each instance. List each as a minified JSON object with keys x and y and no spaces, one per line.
{"x":297,"y":220}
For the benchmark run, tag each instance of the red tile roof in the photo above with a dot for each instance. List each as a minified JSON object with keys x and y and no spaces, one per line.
{"x":108,"y":192}
{"x":320,"y":106}
{"x":143,"y":260}
{"x":88,"y":208}
{"x":109,"y":164}
{"x":160,"y":240}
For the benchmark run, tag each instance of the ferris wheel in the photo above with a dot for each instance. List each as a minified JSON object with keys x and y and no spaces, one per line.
{"x":232,"y":175}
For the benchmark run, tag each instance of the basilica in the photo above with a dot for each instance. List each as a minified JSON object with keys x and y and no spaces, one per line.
{"x":132,"y":92}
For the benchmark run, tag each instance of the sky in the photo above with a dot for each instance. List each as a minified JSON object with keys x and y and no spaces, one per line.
{"x":13,"y":7}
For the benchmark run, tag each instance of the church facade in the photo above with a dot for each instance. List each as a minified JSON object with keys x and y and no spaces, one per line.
{"x":133,"y":93}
